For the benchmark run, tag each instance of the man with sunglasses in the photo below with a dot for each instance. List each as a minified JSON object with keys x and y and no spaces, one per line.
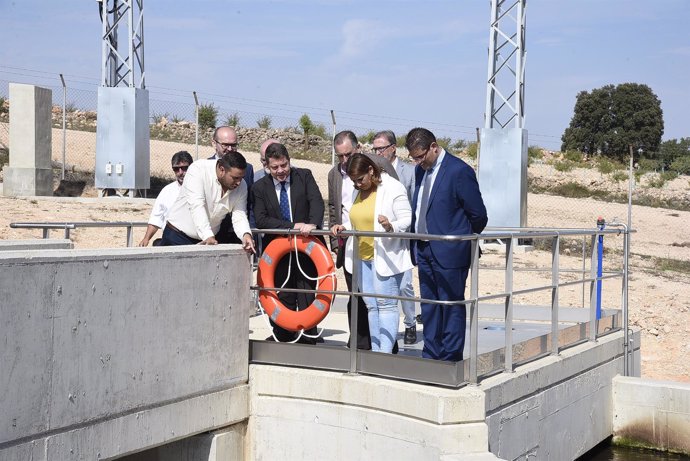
{"x":224,"y":140}
{"x":385,"y":145}
{"x":447,"y":201}
{"x":161,"y":207}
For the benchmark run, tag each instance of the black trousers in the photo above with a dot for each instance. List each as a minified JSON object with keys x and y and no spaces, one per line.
{"x":363,"y":337}
{"x":293,"y":301}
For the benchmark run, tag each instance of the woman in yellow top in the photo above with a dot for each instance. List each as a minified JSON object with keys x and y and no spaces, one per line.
{"x":380,"y":204}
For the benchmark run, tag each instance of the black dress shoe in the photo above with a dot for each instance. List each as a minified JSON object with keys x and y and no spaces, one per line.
{"x":410,"y":335}
{"x":395,"y":347}
{"x":419,"y":319}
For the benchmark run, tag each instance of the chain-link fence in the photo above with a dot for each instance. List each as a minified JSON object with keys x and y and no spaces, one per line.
{"x":173,"y":128}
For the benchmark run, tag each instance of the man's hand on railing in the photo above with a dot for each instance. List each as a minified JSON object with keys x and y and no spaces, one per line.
{"x":337,"y":229}
{"x":304,"y":228}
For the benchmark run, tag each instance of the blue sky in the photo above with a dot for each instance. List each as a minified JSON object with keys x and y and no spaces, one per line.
{"x":378,"y":64}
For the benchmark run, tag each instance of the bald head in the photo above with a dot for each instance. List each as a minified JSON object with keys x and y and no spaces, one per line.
{"x":262,"y":150}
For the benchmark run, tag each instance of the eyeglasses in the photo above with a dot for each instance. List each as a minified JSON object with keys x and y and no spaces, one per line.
{"x":226,"y":145}
{"x":420,"y":158}
{"x":382,"y":148}
{"x":178,"y":168}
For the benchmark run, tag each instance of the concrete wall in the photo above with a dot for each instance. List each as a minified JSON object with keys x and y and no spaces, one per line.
{"x":30,"y":171}
{"x":557,"y":407}
{"x":108,"y":352}
{"x":314,"y":415}
{"x":652,"y":413}
{"x":36,"y":244}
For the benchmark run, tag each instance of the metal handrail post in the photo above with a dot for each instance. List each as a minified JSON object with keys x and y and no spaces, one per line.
{"x":474,"y":311}
{"x":593,"y":290}
{"x":129,"y":236}
{"x":67,"y":230}
{"x":626,"y":333}
{"x":508,"y":356}
{"x":354,"y":302}
{"x":584,"y":267}
{"x":46,"y":233}
{"x":64,"y":125}
{"x":196,"y":122}
{"x":555,"y":272}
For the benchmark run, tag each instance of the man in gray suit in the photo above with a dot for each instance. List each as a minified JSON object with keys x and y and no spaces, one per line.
{"x":385,"y":146}
{"x":340,"y":191}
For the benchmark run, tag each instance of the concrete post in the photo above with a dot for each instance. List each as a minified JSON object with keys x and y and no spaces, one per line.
{"x":30,"y":172}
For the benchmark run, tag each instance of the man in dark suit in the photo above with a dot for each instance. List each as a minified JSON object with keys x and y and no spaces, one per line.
{"x":225,"y":140}
{"x":289,"y":198}
{"x":447,"y":201}
{"x":340,"y":191}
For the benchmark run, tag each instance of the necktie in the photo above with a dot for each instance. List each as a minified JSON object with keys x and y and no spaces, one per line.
{"x":284,"y":202}
{"x":421,"y":222}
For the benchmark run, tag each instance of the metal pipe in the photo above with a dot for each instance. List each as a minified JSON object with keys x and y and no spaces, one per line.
{"x":196,"y":118}
{"x":601,"y":224}
{"x":474,"y":312}
{"x":508,"y":356}
{"x":129,"y":236}
{"x":555,"y":263}
{"x":333,"y":140}
{"x":354,"y":302}
{"x":593,"y":292}
{"x":64,"y":126}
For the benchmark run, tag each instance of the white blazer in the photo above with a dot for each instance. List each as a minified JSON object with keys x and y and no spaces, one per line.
{"x":391,"y":255}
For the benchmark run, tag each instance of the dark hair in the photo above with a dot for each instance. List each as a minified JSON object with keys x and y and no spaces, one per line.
{"x":345,"y":135}
{"x":182,"y":157}
{"x":387,"y":134}
{"x":359,"y":164}
{"x":419,"y":138}
{"x":233,"y":159}
{"x":277,"y":151}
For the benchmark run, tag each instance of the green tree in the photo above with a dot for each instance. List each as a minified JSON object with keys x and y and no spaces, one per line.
{"x":208,"y":116}
{"x":612,"y":117}
{"x":307,"y":128}
{"x":673,"y":149}
{"x":233,"y":119}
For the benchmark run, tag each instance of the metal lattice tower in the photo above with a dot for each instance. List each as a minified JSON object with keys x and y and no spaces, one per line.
{"x":122,"y":62}
{"x":505,"y":89}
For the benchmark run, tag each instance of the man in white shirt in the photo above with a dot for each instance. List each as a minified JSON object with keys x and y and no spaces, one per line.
{"x":166,"y":197}
{"x":385,"y":146}
{"x":212,"y":189}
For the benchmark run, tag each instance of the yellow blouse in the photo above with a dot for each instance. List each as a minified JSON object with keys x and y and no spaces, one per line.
{"x":362,"y":219}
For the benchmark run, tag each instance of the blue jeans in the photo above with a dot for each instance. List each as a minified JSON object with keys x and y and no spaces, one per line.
{"x":384,"y":315}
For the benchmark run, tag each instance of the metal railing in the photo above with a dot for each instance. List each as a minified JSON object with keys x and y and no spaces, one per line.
{"x":476,"y":365}
{"x":69,"y":226}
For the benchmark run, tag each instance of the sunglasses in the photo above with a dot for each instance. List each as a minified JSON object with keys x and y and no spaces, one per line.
{"x":178,"y":168}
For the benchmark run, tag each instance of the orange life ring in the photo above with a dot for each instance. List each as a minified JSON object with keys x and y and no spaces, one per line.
{"x":321,"y":257}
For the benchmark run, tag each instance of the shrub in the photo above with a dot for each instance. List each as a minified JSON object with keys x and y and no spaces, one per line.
{"x":534,"y":152}
{"x":233,"y":119}
{"x":264,"y":122}
{"x":176,"y":119}
{"x":400,"y":140}
{"x":471,"y":150}
{"x":574,"y":156}
{"x":648,"y":164}
{"x":564,"y":166}
{"x":459,"y":145}
{"x":157,"y":117}
{"x":320,"y":131}
{"x":657,"y":182}
{"x":71,"y":107}
{"x":619,"y":176}
{"x":367,"y":138}
{"x":208,"y":116}
{"x":443,"y":142}
{"x":605,"y":166}
{"x":681,"y":165}
{"x":669,"y":175}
